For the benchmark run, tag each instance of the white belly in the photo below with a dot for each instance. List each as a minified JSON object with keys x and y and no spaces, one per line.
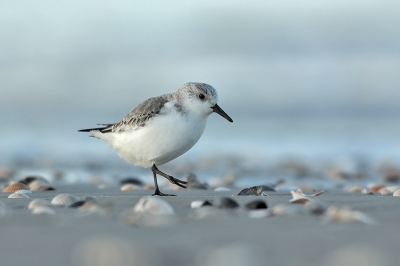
{"x":161,"y":140}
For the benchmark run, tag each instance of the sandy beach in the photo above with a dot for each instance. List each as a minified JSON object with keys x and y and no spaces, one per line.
{"x":113,"y":234}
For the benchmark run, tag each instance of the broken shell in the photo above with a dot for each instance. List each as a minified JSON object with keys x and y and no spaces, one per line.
{"x":227,"y":203}
{"x":18,"y":196}
{"x":129,"y":187}
{"x":15,"y":187}
{"x":345,"y":214}
{"x":256,"y":205}
{"x":153,"y":205}
{"x":43,"y":210}
{"x":199,"y":203}
{"x":298,"y":197}
{"x":396,"y":193}
{"x":64,"y":199}
{"x":38,"y":202}
{"x":300,"y":192}
{"x":252,"y":191}
{"x":314,"y":207}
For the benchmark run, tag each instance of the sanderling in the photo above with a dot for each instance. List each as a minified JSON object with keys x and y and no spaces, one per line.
{"x":162,"y":128}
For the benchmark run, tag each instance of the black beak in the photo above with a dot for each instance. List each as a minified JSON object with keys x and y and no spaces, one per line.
{"x":218,"y":110}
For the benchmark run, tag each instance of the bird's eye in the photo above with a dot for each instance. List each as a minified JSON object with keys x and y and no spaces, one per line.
{"x":201,"y":96}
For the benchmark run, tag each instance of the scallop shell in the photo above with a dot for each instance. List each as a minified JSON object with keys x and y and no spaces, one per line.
{"x":43,"y":210}
{"x":38,"y":202}
{"x":256,"y":205}
{"x":153,"y":205}
{"x":252,"y":191}
{"x":15,"y":187}
{"x":64,"y":199}
{"x":396,"y":193}
{"x":129,"y":187}
{"x":18,"y":196}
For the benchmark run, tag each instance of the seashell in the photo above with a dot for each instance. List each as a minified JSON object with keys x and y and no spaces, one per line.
{"x":314,"y":208}
{"x":46,"y":188}
{"x":38,"y":202}
{"x":93,"y":207}
{"x":256,"y":205}
{"x":149,"y":187}
{"x":353,"y":189}
{"x":129,"y":187}
{"x":312,"y":195}
{"x":385,"y":192}
{"x":393,"y":188}
{"x":15,"y":187}
{"x":194,"y":183}
{"x":252,"y":191}
{"x":64,"y":199}
{"x":219,"y":189}
{"x":90,"y":198}
{"x":227,"y":203}
{"x":22,"y":191}
{"x":396,"y":193}
{"x":29,"y":179}
{"x":199,"y":203}
{"x":367,"y":191}
{"x":345,"y":215}
{"x":76,"y":204}
{"x":154,"y":206}
{"x":18,"y":196}
{"x":376,"y":188}
{"x":36,"y":184}
{"x":298,"y":197}
{"x":286,"y":209}
{"x":43,"y":210}
{"x":132,"y":181}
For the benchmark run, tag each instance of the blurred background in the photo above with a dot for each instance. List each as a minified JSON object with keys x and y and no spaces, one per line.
{"x":301,"y":79}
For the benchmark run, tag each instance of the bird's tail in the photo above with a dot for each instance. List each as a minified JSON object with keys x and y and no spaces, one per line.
{"x":105,"y":129}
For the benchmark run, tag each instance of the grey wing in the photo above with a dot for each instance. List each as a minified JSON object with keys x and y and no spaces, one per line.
{"x":141,"y":114}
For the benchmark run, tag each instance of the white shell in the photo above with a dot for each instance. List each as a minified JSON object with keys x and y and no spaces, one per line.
{"x":298,"y":197}
{"x":396,"y":193}
{"x":43,"y":209}
{"x":393,"y":188}
{"x":153,"y":205}
{"x":64,"y":199}
{"x":23,"y":191}
{"x":35,"y":185}
{"x":384,"y":192}
{"x":345,"y":215}
{"x":38,"y":202}
{"x":18,"y":196}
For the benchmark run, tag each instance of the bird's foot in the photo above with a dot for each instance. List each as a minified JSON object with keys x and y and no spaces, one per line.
{"x":159,"y":193}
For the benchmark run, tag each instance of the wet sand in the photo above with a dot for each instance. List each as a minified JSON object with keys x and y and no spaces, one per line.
{"x":224,"y":238}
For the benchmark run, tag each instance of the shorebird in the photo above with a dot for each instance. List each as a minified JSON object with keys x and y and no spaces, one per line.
{"x":162,"y":128}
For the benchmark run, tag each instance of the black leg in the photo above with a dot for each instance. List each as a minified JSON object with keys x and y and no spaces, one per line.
{"x":171,"y":179}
